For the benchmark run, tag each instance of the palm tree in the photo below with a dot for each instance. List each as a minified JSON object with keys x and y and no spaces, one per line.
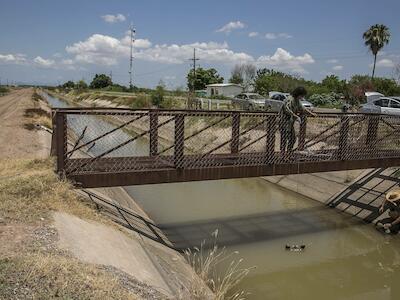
{"x":375,"y":38}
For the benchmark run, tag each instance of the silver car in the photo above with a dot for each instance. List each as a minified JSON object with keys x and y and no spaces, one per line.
{"x":277,"y":100}
{"x":249,"y":101}
{"x":382,"y":105}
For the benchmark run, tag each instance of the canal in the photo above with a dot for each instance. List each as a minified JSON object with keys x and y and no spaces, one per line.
{"x":342,"y":259}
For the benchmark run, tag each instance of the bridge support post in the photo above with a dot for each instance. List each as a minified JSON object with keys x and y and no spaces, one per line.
{"x":153,"y":133}
{"x":61,"y":140}
{"x":270,"y":139}
{"x":302,"y":132}
{"x":344,"y":133}
{"x":179,"y":140}
{"x":235,"y":132}
{"x":53,"y":149}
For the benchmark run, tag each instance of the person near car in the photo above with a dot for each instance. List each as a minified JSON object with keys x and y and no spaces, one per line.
{"x":290,"y":112}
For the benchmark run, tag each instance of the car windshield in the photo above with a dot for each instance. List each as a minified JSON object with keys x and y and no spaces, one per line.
{"x":255,"y":97}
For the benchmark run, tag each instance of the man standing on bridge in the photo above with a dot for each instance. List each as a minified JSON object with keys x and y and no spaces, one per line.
{"x":289,"y":113}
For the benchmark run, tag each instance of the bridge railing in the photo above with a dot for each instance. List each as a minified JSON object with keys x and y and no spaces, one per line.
{"x":119,"y":140}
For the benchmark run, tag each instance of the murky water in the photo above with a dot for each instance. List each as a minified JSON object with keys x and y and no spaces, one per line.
{"x":343,"y":258}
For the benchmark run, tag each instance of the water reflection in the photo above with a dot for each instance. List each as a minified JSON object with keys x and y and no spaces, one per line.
{"x":248,"y":229}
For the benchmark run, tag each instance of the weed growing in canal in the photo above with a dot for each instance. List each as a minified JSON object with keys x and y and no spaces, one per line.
{"x":209,"y":260}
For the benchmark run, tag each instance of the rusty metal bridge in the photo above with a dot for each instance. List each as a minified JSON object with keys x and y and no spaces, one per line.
{"x":103,"y":147}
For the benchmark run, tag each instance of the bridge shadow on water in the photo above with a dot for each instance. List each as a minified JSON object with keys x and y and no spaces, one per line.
{"x":258,"y":227}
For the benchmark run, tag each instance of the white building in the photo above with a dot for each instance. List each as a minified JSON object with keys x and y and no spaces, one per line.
{"x":224,"y":89}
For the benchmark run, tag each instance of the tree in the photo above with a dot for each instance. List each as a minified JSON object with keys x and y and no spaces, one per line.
{"x":81,"y":85}
{"x":157,"y":97}
{"x":243,"y":74}
{"x":268,"y":80}
{"x":334,"y":84}
{"x":100,"y":81}
{"x":358,"y":85}
{"x":375,"y":38}
{"x":68,"y":85}
{"x":203,"y":78}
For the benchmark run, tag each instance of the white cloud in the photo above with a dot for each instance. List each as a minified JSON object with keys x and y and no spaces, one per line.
{"x":12,"y":58}
{"x":42,"y":62}
{"x":284,"y":35}
{"x":385,"y":63}
{"x":138,"y":43}
{"x":337,"y":68}
{"x":270,"y":36}
{"x":273,"y":36}
{"x":283,"y":60}
{"x":106,"y":50}
{"x":113,"y":18}
{"x":67,"y":62}
{"x":178,"y":54}
{"x":253,"y":34}
{"x":227,"y":28}
{"x":332,"y":61}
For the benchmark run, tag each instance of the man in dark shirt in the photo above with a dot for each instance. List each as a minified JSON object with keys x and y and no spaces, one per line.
{"x":289,"y":113}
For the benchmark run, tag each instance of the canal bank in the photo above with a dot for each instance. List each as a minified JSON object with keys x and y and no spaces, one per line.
{"x":341,"y":259}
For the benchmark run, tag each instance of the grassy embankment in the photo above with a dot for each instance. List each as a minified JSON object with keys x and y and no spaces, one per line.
{"x":124,"y":99}
{"x":31,"y":266}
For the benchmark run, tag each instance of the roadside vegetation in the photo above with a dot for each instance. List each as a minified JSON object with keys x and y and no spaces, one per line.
{"x":37,"y":116}
{"x":3,"y":90}
{"x":206,"y":260}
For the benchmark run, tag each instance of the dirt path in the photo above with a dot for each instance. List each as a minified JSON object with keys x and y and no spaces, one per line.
{"x":15,"y":140}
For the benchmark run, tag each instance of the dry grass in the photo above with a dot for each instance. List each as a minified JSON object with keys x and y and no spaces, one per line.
{"x":31,"y":265}
{"x":208,"y":263}
{"x":49,"y":276}
{"x":30,"y":190}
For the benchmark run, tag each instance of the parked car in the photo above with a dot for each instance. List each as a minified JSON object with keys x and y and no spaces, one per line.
{"x":307,"y":104}
{"x":382,"y":105}
{"x":249,"y":101}
{"x":282,"y":97}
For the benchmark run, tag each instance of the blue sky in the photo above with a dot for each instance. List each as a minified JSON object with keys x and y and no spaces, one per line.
{"x":48,"y":42}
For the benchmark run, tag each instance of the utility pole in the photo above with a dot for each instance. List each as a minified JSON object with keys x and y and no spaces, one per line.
{"x":111,"y":75}
{"x":132,"y":35}
{"x":194,"y":59}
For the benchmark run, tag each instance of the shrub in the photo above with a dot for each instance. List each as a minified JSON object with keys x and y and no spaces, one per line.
{"x":3,"y":90}
{"x":141,"y":101}
{"x":157,"y":96}
{"x":327,"y":99}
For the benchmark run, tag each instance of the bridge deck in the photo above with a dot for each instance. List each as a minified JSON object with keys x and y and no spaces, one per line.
{"x":130,"y":147}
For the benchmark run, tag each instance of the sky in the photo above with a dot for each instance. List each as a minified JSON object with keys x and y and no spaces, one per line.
{"x":50,"y":42}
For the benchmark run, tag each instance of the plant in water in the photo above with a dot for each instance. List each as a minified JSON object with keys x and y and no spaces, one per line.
{"x":219,"y":269}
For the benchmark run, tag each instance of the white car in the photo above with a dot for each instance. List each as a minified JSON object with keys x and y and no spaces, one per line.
{"x":379,"y":104}
{"x":383,"y":105}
